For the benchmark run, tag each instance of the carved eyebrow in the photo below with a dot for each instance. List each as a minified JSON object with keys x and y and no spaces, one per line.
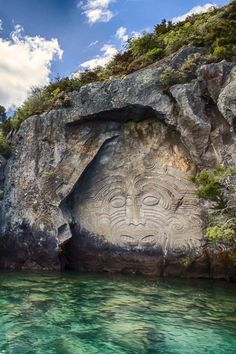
{"x":140,"y":180}
{"x":157,"y":185}
{"x":107,"y":187}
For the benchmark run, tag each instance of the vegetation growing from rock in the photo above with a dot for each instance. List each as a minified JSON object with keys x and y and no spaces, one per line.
{"x":219,"y":187}
{"x":185,"y":73}
{"x":223,"y":232}
{"x":49,"y":174}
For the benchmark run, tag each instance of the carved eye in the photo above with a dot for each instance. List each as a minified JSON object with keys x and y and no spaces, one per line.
{"x":118,"y":202}
{"x":150,"y":201}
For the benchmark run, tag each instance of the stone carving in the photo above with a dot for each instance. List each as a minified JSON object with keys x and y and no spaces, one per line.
{"x":138,"y":204}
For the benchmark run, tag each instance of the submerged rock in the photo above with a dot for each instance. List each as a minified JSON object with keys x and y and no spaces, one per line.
{"x":105,"y":184}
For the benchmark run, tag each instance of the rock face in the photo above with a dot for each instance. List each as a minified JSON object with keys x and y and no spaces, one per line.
{"x":104,"y":185}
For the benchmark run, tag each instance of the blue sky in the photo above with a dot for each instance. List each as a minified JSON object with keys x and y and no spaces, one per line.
{"x":81,"y":28}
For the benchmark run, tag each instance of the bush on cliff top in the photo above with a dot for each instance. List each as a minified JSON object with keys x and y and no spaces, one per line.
{"x":215,"y":31}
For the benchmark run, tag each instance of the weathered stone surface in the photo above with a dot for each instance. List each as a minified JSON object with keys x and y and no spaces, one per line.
{"x":212,"y":78}
{"x":227,"y":100}
{"x":136,"y":197}
{"x":139,"y":89}
{"x":192,"y":122}
{"x":104,"y":185}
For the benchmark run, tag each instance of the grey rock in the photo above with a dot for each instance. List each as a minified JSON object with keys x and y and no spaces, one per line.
{"x":192,"y":122}
{"x":227,"y":100}
{"x":212,"y":78}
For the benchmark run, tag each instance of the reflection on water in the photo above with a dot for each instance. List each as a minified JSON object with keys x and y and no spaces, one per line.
{"x":85,"y":314}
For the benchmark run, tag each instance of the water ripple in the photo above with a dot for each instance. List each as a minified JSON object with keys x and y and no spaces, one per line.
{"x":86,"y":314}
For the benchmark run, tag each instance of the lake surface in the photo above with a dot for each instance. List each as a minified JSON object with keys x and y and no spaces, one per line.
{"x":87,"y":314}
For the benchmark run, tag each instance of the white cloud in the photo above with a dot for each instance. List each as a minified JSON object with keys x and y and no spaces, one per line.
{"x":108,"y":52}
{"x":121,"y":34}
{"x":195,"y":11}
{"x":1,"y":27}
{"x":97,"y":10}
{"x":92,"y":44}
{"x":24,"y":63}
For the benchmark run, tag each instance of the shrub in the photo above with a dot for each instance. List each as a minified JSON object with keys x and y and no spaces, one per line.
{"x":3,"y":115}
{"x":171,"y":77}
{"x":210,"y":184}
{"x":222,"y":233}
{"x":5,"y":148}
{"x":142,"y":45}
{"x":46,"y":98}
{"x":5,"y":127}
{"x":49,"y":174}
{"x":186,"y":73}
{"x":218,"y":186}
{"x":224,"y":52}
{"x":154,"y":54}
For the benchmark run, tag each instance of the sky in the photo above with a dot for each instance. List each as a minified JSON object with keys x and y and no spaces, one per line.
{"x":43,"y":39}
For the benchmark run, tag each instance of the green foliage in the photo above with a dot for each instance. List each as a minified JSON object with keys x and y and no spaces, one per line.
{"x":171,"y":77}
{"x":71,"y":221}
{"x":5,"y":148}
{"x":5,"y":127}
{"x":45,"y":99}
{"x":49,"y":174}
{"x":221,"y":233}
{"x":210,"y":184}
{"x":163,"y":27}
{"x":154,"y":54}
{"x":185,"y":73}
{"x":218,"y":186}
{"x":140,"y":46}
{"x":3,"y":115}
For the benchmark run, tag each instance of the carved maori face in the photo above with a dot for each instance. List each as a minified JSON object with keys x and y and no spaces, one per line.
{"x":135,"y":196}
{"x":152,"y":209}
{"x":133,"y":208}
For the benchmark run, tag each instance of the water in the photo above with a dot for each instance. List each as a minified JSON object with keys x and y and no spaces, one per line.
{"x":86,"y":314}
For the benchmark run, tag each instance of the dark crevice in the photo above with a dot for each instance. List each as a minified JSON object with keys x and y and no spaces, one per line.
{"x":135,"y":113}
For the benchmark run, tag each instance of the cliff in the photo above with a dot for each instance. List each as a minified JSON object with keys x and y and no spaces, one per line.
{"x":104,"y":185}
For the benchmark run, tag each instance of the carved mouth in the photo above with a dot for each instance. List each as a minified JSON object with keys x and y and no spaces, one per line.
{"x":129,"y":240}
{"x":146,"y":241}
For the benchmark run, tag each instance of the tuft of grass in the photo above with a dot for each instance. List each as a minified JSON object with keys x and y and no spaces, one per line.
{"x":49,"y":174}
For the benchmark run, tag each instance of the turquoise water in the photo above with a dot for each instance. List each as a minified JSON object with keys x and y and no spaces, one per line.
{"x":86,"y":314}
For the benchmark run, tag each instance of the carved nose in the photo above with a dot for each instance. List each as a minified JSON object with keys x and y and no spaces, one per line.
{"x":133,"y":216}
{"x":136,"y":222}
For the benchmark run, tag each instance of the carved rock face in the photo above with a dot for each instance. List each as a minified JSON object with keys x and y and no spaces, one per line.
{"x":131,"y":200}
